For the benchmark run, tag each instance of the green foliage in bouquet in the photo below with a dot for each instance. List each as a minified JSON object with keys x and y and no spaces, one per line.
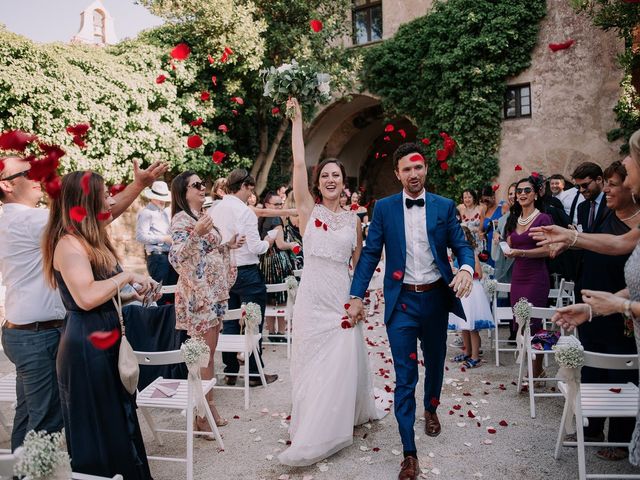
{"x":447,"y":72}
{"x":300,"y":81}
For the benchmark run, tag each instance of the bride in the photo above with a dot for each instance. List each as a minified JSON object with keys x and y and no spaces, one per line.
{"x":331,"y":382}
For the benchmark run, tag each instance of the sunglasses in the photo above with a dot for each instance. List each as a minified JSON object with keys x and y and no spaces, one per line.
{"x":198,"y":185}
{"x":24,"y":173}
{"x":526,"y":190}
{"x":583,"y":186}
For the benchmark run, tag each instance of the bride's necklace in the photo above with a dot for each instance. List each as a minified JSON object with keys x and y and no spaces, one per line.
{"x":629,"y":218}
{"x":525,"y":221}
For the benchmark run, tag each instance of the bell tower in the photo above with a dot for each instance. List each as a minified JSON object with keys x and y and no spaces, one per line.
{"x":96,"y":26}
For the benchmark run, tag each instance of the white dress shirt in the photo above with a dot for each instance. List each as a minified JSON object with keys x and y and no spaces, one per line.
{"x":420,"y":267}
{"x":231,"y":215}
{"x":152,"y":226}
{"x":28,"y":298}
{"x":567,"y":197}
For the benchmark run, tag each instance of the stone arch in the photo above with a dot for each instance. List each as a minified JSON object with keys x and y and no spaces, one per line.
{"x":354,"y":132}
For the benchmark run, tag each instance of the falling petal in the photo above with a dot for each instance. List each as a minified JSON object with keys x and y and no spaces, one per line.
{"x":77,"y":213}
{"x":103,"y":340}
{"x":181,"y":51}
{"x":316,"y":25}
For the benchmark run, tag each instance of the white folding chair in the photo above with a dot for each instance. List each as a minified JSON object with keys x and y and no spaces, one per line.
{"x":297,"y":274}
{"x":564,"y":294}
{"x":246,"y":343}
{"x":501,"y":316}
{"x":597,"y":400}
{"x":284,"y":312}
{"x":8,"y":461}
{"x":526,"y":353}
{"x":168,"y":289}
{"x":7,"y":396}
{"x":182,"y":400}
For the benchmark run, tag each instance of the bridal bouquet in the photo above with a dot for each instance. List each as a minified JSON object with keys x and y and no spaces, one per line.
{"x":41,"y":457}
{"x":294,"y":80}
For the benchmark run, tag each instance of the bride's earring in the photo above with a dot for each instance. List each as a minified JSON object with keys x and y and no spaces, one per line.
{"x":633,"y":197}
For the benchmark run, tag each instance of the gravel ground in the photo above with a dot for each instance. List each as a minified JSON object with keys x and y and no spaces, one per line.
{"x":253,"y":438}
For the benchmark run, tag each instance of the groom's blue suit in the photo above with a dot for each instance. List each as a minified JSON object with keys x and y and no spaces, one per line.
{"x":411,"y":316}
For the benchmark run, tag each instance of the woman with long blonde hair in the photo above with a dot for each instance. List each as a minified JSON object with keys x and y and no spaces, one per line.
{"x":101,"y":426}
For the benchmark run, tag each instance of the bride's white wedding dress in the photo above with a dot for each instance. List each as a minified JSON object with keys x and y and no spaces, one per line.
{"x":331,"y":380}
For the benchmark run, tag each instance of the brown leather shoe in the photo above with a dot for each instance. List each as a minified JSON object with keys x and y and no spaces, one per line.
{"x":229,"y":380}
{"x":256,"y":382}
{"x":409,"y":469}
{"x":432,"y":424}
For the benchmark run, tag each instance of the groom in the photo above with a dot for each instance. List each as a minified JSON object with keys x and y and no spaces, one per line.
{"x":420,"y":289}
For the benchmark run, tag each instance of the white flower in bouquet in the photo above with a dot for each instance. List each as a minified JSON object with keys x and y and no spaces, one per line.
{"x":569,"y":352}
{"x":522,"y":310}
{"x":251,"y":317}
{"x":195,"y":352}
{"x":490,"y":287}
{"x":299,"y":81}
{"x":41,"y":455}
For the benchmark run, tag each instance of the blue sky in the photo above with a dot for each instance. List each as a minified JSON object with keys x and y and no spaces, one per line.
{"x":59,"y":20}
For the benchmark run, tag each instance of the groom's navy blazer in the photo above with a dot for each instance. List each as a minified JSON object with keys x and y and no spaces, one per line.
{"x":387,"y":229}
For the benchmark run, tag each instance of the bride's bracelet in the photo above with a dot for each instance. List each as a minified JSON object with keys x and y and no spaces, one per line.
{"x":575,"y":238}
{"x":590,"y":312}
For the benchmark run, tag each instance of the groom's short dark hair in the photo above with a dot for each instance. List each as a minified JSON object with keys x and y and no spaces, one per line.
{"x":404,"y":150}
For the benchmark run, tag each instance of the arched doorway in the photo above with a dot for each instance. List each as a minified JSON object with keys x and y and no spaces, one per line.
{"x":355,"y":133}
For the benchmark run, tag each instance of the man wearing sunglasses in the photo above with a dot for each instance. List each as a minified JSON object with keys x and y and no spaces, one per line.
{"x":33,"y":311}
{"x":588,"y":178}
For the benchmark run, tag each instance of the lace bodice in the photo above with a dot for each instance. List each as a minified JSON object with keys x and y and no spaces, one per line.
{"x":330,"y":235}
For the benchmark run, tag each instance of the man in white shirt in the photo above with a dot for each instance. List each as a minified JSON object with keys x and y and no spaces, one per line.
{"x":232,"y":216}
{"x":34,"y":312}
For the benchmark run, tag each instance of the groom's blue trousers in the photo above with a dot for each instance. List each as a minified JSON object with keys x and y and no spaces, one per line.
{"x":417,"y":317}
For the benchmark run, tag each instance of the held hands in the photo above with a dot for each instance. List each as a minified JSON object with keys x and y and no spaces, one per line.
{"x":203,"y":225}
{"x":355,"y":310}
{"x":462,"y":283}
{"x":571,"y":316}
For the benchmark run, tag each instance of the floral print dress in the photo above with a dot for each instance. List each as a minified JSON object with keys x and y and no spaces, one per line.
{"x":207,"y":273}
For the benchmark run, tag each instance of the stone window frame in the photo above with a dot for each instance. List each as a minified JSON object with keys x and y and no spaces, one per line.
{"x":368,"y":6}
{"x":519,"y":106}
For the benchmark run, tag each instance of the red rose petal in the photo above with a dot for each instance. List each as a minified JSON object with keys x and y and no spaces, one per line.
{"x":416,"y":157}
{"x":211,"y":59}
{"x":495,"y":187}
{"x":615,"y":390}
{"x":426,"y":141}
{"x":237,"y":100}
{"x":1,"y":165}
{"x":388,"y":389}
{"x":325,"y":227}
{"x":275,"y":111}
{"x":204,"y":96}
{"x":414,"y":356}
{"x":397,"y":275}
{"x":402,"y":133}
{"x":378,"y":269}
{"x":77,"y":213}
{"x":389,"y":128}
{"x":160,"y":79}
{"x":79,"y":141}
{"x":491,"y":430}
{"x":223,"y":128}
{"x":181,"y":51}
{"x":80,"y":129}
{"x":444,"y":166}
{"x":346,"y":324}
{"x":218,"y":156}
{"x":535,"y":174}
{"x":103,"y":340}
{"x":470,"y":414}
{"x":518,"y":168}
{"x":84,"y":182}
{"x":403,"y":306}
{"x":194,"y":141}
{"x":16,"y":140}
{"x":214,"y":80}
{"x":354,"y":206}
{"x":103,"y":216}
{"x":116,"y":189}
{"x":457,"y":407}
{"x":296,"y":249}
{"x":441,"y":155}
{"x":434,"y":402}
{"x":502,"y":387}
{"x":316,"y":25}
{"x":451,"y":412}
{"x":236,"y":417}
{"x":318,"y":223}
{"x":53,"y":187}
{"x":375,"y":449}
{"x":346,"y":306}
{"x":197,"y":122}
{"x":555,"y":47}
{"x":503,"y":423}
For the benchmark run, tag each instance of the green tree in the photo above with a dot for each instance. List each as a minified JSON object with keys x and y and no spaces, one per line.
{"x":447,"y":72}
{"x":278,"y":31}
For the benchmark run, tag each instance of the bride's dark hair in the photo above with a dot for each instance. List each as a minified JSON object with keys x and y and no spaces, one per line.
{"x":315,"y":187}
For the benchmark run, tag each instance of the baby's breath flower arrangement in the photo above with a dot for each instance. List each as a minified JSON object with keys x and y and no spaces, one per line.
{"x":195,"y":352}
{"x":251,"y":317}
{"x":490,"y":287}
{"x":299,"y":81}
{"x":522,"y":310}
{"x":41,"y":456}
{"x":569,"y":352}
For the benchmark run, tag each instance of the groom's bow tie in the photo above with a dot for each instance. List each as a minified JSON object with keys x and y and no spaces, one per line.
{"x":410,"y":203}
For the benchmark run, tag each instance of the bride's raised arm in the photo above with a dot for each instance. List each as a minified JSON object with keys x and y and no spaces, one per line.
{"x":304,"y":199}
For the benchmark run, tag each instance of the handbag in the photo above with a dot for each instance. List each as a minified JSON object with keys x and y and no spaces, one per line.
{"x":128,"y":366}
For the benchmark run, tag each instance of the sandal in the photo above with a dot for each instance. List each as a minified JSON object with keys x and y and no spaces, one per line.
{"x":471,"y":363}
{"x":540,"y":383}
{"x":202,"y":425}
{"x":612,"y":454}
{"x":461,"y":357}
{"x":221,"y":422}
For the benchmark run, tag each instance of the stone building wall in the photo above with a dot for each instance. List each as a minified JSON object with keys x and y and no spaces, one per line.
{"x":573,"y":95}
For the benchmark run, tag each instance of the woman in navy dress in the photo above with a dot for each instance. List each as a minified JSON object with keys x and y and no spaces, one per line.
{"x":101,"y":426}
{"x":530,"y":275}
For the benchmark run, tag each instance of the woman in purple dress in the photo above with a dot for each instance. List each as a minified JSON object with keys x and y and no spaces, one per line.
{"x":530,"y":278}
